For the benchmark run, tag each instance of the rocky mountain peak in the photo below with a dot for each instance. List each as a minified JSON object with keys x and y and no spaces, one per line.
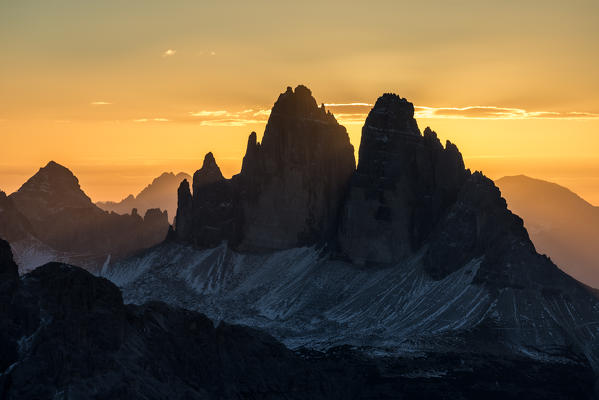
{"x":392,"y":115}
{"x":209,"y":173}
{"x":51,"y":189}
{"x":403,"y":184}
{"x":289,"y":188}
{"x":299,"y":103}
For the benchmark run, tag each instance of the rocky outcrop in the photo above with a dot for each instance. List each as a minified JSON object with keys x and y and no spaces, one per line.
{"x":289,"y":189}
{"x":404,"y":183}
{"x":300,"y":174}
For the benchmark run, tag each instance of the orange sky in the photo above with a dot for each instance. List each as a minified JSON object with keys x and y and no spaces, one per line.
{"x":122,"y":92}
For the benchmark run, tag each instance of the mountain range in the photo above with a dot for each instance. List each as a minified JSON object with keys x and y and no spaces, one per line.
{"x":405,"y":276}
{"x":407,"y":253}
{"x":160,"y":193}
{"x":560,"y":223}
{"x":51,"y":218}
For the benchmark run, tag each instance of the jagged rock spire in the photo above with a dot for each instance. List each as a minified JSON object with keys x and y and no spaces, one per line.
{"x":403,"y":183}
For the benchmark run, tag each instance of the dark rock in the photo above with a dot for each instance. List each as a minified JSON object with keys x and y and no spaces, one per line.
{"x":208,"y":174}
{"x":184,"y":218}
{"x":14,"y":226}
{"x":402,"y":186}
{"x":8,"y":268}
{"x":289,"y":189}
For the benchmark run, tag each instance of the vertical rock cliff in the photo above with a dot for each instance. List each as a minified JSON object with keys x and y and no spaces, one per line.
{"x":289,"y":189}
{"x":297,"y":176}
{"x":404,"y":182}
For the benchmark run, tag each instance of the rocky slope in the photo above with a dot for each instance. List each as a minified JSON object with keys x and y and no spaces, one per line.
{"x":161,"y":193}
{"x":67,"y":334}
{"x":560,"y":223}
{"x":57,"y":221}
{"x":288,"y":191}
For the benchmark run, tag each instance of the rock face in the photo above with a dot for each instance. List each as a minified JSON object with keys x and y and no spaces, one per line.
{"x":58,"y":218}
{"x":161,"y":193}
{"x":404,"y":183}
{"x":8,"y":268}
{"x":67,"y":334}
{"x":13,"y":225}
{"x":289,"y":189}
{"x":299,"y":175}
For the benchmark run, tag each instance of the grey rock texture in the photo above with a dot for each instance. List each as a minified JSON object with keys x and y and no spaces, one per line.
{"x":67,"y":334}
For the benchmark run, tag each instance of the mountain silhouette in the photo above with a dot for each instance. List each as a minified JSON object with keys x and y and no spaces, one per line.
{"x":56,"y":220}
{"x":408,"y":252}
{"x":289,"y":188}
{"x":560,"y":223}
{"x":161,"y":193}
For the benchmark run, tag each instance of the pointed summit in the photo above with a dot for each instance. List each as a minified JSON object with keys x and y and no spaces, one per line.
{"x":53,"y":185}
{"x":209,"y":173}
{"x":290,"y":185}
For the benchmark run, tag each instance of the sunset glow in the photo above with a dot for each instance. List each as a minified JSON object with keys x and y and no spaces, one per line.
{"x":120,"y":93}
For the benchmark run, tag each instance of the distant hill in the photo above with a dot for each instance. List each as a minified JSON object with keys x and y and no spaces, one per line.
{"x":161,"y":193}
{"x":51,"y":219}
{"x":560,"y":223}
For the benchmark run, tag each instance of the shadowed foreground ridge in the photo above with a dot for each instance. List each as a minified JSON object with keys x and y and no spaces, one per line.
{"x":67,"y":334}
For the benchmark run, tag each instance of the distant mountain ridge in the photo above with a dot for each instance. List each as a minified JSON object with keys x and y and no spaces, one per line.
{"x":561,"y":224}
{"x":51,"y":218}
{"x":161,"y":193}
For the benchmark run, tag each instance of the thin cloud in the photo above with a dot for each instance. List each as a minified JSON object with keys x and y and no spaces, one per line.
{"x":264,"y":113}
{"x":347,"y":104}
{"x":230,"y":118}
{"x":151,"y":119}
{"x":493,"y":112}
{"x":169,"y":53}
{"x":100,"y":103}
{"x":354,"y":112}
{"x":231,"y":122}
{"x":205,"y":113}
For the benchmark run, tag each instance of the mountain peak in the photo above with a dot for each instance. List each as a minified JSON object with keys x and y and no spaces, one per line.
{"x":393,"y":115}
{"x":209,"y":173}
{"x":300,"y":103}
{"x":54,"y":184}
